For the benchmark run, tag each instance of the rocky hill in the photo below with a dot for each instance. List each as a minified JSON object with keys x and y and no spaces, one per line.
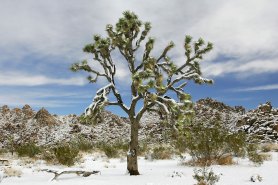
{"x":263,"y":122}
{"x":206,"y":109}
{"x":25,"y":125}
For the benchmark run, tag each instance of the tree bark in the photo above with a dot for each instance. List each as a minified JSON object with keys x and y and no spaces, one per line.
{"x":132,"y":164}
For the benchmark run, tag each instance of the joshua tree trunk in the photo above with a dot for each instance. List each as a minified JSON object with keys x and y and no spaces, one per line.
{"x":132,"y":164}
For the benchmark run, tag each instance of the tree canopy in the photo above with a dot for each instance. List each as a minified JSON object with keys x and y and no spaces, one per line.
{"x":152,"y":77}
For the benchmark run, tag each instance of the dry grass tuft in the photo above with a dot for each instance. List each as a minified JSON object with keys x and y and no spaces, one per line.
{"x":268,"y":147}
{"x":226,"y":160}
{"x":162,"y":152}
{"x":12,"y":172}
{"x":266,"y":156}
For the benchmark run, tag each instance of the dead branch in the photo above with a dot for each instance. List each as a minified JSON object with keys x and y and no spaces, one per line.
{"x":4,"y":162}
{"x":77,"y":172}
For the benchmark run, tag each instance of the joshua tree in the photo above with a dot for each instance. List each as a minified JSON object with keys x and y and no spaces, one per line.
{"x":153,"y":79}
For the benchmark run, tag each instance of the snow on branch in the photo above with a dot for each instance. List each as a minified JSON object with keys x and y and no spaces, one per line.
{"x":99,"y":101}
{"x":77,"y":172}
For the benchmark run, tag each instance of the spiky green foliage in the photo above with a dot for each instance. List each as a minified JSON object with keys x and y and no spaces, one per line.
{"x":153,"y":77}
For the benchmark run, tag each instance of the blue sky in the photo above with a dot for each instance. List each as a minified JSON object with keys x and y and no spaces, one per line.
{"x":39,"y":40}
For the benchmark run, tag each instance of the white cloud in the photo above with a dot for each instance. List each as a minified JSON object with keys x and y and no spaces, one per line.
{"x":22,"y":79}
{"x":259,"y":88}
{"x":41,"y":98}
{"x":242,"y":68}
{"x":238,"y":29}
{"x":16,"y":101}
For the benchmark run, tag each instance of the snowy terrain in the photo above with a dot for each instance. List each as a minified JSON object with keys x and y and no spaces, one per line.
{"x":159,"y":172}
{"x":24,"y":125}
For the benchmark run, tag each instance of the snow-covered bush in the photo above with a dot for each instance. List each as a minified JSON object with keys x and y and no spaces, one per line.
{"x":256,"y":178}
{"x":205,"y":176}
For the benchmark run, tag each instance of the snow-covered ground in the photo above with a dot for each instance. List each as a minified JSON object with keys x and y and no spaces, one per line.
{"x":159,"y":172}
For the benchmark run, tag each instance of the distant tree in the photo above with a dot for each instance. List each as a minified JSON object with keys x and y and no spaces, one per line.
{"x":154,"y":80}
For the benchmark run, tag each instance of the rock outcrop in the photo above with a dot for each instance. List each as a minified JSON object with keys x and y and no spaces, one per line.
{"x":261,"y":122}
{"x":207,"y":109}
{"x":44,"y":118}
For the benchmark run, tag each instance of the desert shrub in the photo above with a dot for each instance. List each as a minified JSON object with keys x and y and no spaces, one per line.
{"x":3,"y":151}
{"x":83,"y":144}
{"x":28,"y":149}
{"x":113,"y":150}
{"x":12,"y":144}
{"x":120,"y":145}
{"x":48,"y":155}
{"x":66,"y":153}
{"x":208,"y":143}
{"x":253,"y":155}
{"x":161,"y":152}
{"x":143,"y":148}
{"x":204,"y":176}
{"x":110,"y":151}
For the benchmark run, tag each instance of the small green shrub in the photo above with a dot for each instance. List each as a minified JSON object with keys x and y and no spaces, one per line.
{"x":207,"y":145}
{"x":143,"y":148}
{"x":28,"y":150}
{"x":120,"y":145}
{"x":209,"y":142}
{"x":83,"y":144}
{"x":66,"y":153}
{"x":3,"y":151}
{"x":11,"y":144}
{"x":110,"y":151}
{"x":48,"y":155}
{"x":204,"y":176}
{"x":162,"y":152}
{"x":113,"y":150}
{"x":253,"y":155}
